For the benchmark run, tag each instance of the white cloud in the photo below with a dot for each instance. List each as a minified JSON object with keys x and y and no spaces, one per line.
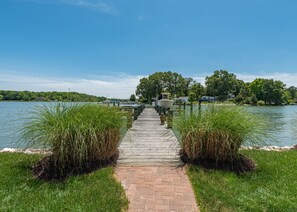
{"x":97,"y":5}
{"x":120,"y":86}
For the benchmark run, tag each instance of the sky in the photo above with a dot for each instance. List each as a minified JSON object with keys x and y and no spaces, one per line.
{"x":103,"y":48}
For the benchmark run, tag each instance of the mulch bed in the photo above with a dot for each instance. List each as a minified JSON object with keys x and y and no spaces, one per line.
{"x":241,"y":165}
{"x":47,"y":170}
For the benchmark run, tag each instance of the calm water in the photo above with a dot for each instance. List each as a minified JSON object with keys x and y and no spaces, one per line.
{"x":281,"y":121}
{"x":14,"y":114}
{"x":12,"y":118}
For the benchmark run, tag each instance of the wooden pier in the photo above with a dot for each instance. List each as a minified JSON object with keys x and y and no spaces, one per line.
{"x":148,"y":143}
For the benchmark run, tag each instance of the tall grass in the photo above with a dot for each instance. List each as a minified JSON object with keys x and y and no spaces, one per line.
{"x":75,"y":134}
{"x":218,"y":132}
{"x":294,"y":128}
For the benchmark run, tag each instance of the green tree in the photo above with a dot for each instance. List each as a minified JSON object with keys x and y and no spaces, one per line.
{"x":186,"y":86}
{"x":1,"y":97}
{"x":256,"y":87}
{"x":268,"y":90}
{"x":192,"y":96}
{"x":198,"y":90}
{"x":293,"y":92}
{"x":48,"y":96}
{"x":133,"y":98}
{"x":153,"y":85}
{"x":222,"y":84}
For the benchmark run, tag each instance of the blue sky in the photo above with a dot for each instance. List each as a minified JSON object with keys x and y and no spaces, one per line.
{"x":104,"y":47}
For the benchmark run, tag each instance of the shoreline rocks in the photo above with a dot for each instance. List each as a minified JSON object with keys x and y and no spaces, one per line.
{"x":26,"y":151}
{"x":47,"y":152}
{"x":269,"y":148}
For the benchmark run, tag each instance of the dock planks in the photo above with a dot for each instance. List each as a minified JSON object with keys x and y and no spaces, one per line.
{"x":148,"y":143}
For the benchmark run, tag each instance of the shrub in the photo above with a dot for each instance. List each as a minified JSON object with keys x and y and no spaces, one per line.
{"x":239,"y":99}
{"x":76,"y":135}
{"x":260,"y":103}
{"x":247,"y":101}
{"x":218,"y":132}
{"x":253,"y":99}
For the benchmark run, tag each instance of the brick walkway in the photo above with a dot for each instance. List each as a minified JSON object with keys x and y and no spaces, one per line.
{"x":157,"y":188}
{"x":148,"y":168}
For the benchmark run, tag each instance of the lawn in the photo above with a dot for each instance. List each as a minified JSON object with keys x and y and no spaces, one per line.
{"x":97,"y":191}
{"x":271,"y":187}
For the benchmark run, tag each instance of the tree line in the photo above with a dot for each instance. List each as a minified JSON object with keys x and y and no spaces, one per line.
{"x":6,"y":95}
{"x":223,"y":85}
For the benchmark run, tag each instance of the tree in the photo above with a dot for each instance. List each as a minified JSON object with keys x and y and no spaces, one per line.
{"x":192,"y":96}
{"x":133,"y":98}
{"x":186,"y":86}
{"x":222,"y":84}
{"x":48,"y":96}
{"x":293,"y":92}
{"x":197,"y":89}
{"x":153,"y":85}
{"x":256,"y":88}
{"x":268,"y":90}
{"x":1,"y":97}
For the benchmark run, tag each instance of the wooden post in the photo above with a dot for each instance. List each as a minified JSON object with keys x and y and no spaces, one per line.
{"x":118,"y":104}
{"x":191,"y":108}
{"x":135,"y":113}
{"x":169,"y":118}
{"x":113,"y":103}
{"x":162,"y":119}
{"x":184,"y":106}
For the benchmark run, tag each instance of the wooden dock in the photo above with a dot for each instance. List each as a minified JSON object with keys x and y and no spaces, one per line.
{"x":148,"y":143}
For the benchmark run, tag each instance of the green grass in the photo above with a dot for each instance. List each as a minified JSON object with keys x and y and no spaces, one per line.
{"x":271,"y":187}
{"x":97,"y":191}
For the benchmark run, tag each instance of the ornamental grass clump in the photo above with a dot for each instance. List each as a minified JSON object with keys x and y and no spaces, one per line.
{"x":213,"y":136}
{"x":80,"y":137}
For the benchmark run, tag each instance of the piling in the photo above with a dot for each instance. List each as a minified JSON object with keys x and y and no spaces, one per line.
{"x":169,"y":118}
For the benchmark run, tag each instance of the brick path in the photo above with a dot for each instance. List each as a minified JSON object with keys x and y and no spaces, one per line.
{"x":149,"y":168}
{"x":157,"y":189}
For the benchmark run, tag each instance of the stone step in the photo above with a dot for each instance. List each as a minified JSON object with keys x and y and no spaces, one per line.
{"x":149,"y":157}
{"x":148,"y":160}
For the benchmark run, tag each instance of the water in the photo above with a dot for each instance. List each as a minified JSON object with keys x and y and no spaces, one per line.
{"x":282,"y":123}
{"x":282,"y":129}
{"x":12,"y":118}
{"x":14,"y":114}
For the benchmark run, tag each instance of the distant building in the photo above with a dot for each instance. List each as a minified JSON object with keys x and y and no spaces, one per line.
{"x":231,"y":96}
{"x":182,"y":99}
{"x":208,"y":98}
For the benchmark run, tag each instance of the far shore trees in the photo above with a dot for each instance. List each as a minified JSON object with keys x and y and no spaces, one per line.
{"x":153,"y":85}
{"x":48,"y":96}
{"x":292,"y":93}
{"x":268,"y":90}
{"x":222,"y":84}
{"x":132,"y":98}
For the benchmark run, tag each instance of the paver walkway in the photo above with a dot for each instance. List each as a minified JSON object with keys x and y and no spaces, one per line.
{"x":149,"y":168}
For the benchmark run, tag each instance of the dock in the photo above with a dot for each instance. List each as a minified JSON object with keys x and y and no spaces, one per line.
{"x":148,"y":143}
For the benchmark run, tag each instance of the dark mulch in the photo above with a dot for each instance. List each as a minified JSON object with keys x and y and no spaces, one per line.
{"x":240,"y":165}
{"x":47,"y":170}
